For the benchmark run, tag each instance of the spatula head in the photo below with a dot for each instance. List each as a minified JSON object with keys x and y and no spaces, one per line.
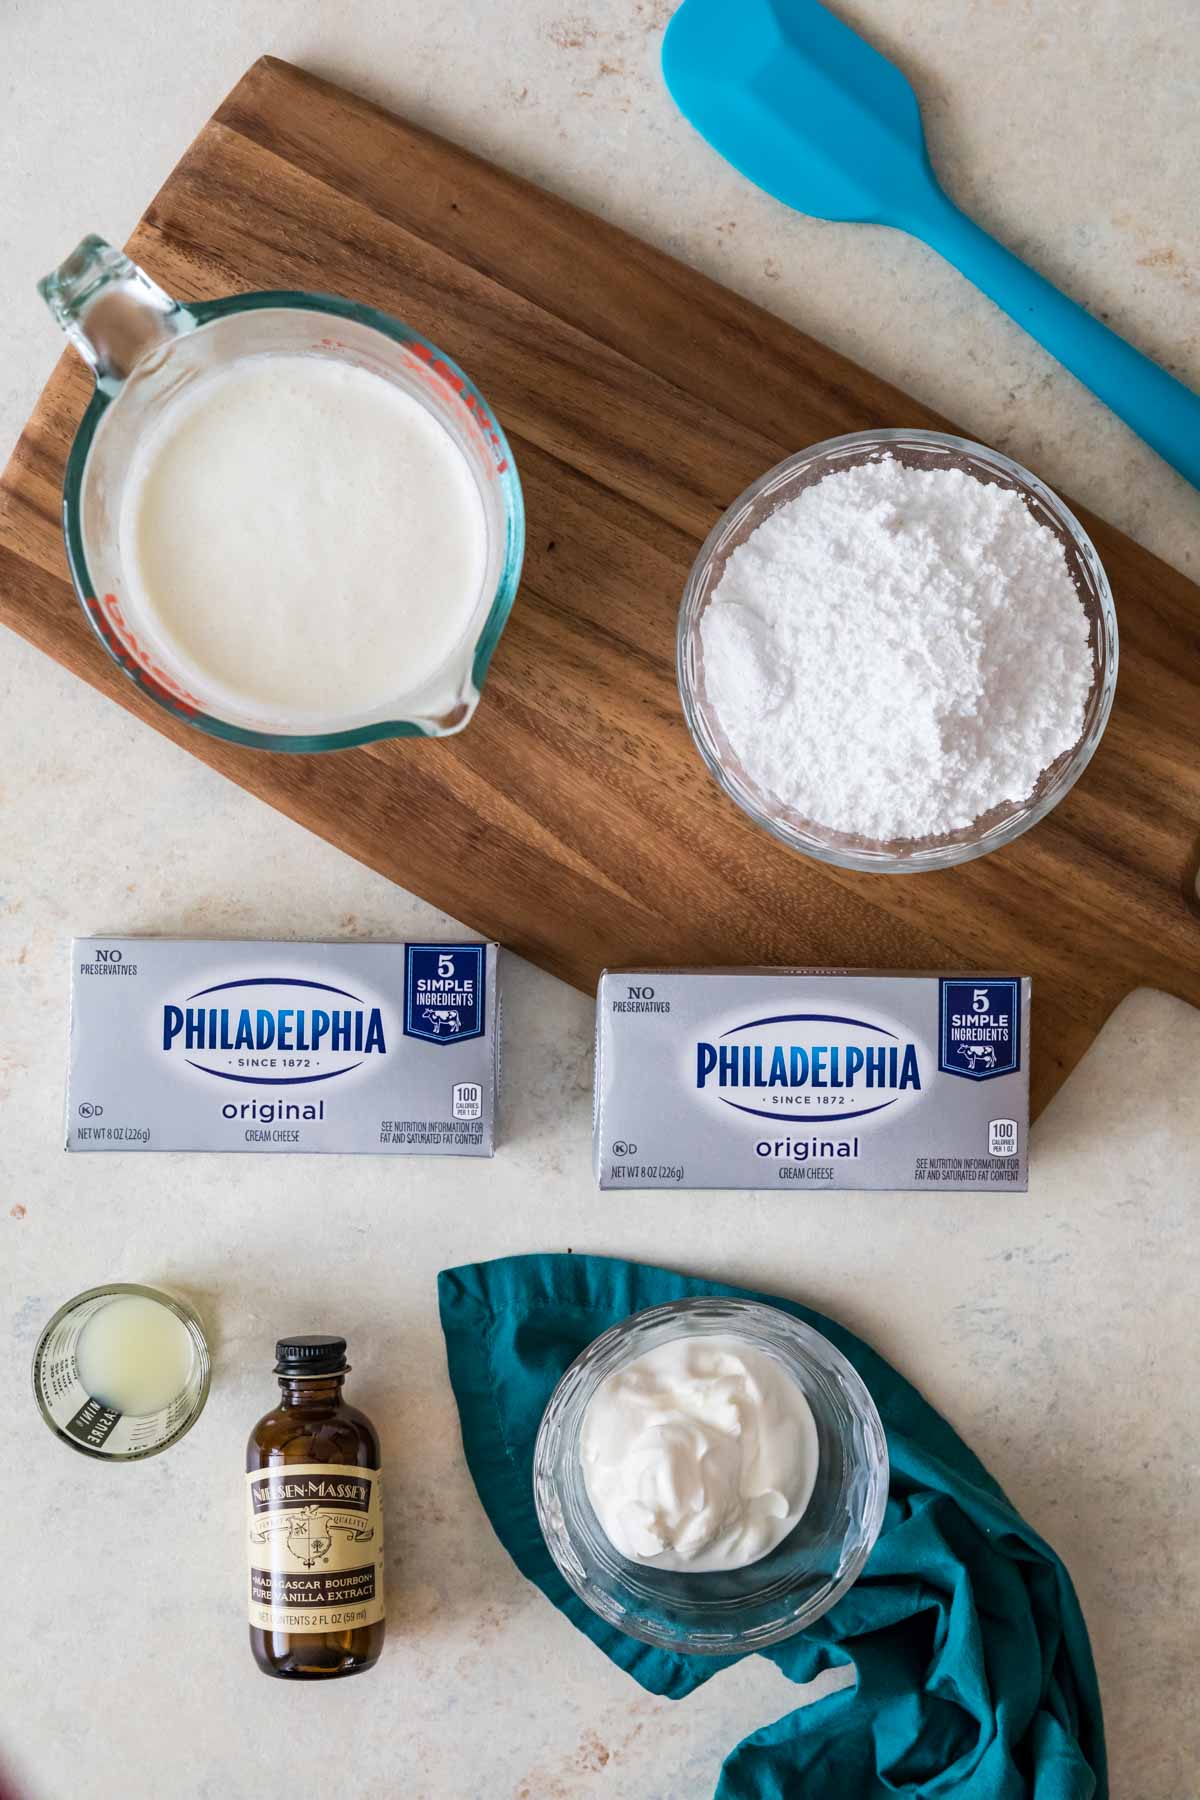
{"x":802,"y":105}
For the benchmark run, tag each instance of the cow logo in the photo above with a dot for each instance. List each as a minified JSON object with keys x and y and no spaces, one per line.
{"x":980,"y":1035}
{"x":443,"y":992}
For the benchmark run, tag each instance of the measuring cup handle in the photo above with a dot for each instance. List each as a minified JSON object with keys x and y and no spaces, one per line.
{"x":110,"y":309}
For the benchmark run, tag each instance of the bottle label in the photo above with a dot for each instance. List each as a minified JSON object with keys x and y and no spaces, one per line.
{"x":315,"y":1539}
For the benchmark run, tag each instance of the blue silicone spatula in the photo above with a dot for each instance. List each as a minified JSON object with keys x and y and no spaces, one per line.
{"x":806,"y":109}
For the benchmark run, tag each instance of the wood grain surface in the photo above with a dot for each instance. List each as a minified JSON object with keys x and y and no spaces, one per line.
{"x":573,"y":820}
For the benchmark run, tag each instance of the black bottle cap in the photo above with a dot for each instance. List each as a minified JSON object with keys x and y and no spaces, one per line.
{"x":310,"y":1356}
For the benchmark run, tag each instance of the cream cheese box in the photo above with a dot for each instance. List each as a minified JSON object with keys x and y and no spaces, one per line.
{"x":180,"y":1044}
{"x":811,"y":1078}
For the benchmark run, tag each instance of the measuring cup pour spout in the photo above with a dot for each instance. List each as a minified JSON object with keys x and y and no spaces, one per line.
{"x":111,"y":310}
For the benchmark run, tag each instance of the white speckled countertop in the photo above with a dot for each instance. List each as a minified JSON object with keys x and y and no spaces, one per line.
{"x":1056,"y":1330}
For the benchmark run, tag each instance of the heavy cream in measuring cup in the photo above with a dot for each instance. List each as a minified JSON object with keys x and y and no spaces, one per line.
{"x":700,"y":1454}
{"x":304,"y":537}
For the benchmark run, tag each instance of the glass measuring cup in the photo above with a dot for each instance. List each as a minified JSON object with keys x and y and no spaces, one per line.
{"x":89,"y":1424}
{"x":145,"y":348}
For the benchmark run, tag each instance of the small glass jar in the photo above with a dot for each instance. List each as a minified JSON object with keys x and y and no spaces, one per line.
{"x":84,"y":1422}
{"x":720,"y":1612}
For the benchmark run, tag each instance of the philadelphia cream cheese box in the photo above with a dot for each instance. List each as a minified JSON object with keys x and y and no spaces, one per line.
{"x":811,"y":1078}
{"x":212,"y":1045}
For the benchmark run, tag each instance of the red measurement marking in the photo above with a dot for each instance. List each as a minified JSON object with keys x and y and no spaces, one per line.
{"x":436,"y":373}
{"x":125,"y":649}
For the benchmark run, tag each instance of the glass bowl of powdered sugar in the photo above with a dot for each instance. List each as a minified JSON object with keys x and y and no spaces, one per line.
{"x":897,"y":650}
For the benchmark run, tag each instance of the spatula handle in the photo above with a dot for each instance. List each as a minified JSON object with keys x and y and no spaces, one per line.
{"x":1156,"y":406}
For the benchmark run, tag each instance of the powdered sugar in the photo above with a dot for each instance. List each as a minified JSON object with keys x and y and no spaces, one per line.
{"x":896,"y":651}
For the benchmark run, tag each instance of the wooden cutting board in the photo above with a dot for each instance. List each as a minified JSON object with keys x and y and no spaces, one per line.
{"x":573,"y":820}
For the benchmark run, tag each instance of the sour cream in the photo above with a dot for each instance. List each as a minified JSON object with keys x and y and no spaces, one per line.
{"x":700,"y":1454}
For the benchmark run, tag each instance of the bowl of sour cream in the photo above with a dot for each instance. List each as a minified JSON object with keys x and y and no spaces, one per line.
{"x":710,"y":1476}
{"x":292,"y":520}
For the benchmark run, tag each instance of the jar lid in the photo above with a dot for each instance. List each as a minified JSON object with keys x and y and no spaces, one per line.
{"x":310,"y":1356}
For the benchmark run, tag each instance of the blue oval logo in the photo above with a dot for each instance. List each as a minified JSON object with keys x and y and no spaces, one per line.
{"x":273,"y":1031}
{"x":809,"y":1068}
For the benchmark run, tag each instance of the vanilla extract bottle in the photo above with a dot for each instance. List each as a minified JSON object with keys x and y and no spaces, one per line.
{"x":314,"y":1522}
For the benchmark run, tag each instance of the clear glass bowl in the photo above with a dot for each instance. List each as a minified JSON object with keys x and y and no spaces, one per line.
{"x":720,"y":1612}
{"x":85,"y":1423}
{"x":918,"y":450}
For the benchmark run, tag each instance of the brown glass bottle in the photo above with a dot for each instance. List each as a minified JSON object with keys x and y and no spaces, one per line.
{"x":314,"y":1522}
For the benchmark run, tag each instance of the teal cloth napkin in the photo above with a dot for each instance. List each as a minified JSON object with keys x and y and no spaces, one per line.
{"x":975,"y":1675}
